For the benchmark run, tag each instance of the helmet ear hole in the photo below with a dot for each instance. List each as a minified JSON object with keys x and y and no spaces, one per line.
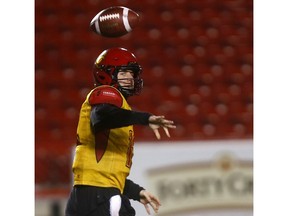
{"x":103,"y":78}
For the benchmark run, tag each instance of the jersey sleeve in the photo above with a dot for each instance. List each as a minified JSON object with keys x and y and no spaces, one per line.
{"x":106,"y":94}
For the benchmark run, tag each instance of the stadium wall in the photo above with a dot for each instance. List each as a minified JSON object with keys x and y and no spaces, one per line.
{"x":191,"y":178}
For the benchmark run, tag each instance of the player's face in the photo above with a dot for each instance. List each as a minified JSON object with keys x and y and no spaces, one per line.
{"x":126,"y":79}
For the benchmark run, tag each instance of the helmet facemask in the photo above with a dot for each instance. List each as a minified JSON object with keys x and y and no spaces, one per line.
{"x":127,"y":90}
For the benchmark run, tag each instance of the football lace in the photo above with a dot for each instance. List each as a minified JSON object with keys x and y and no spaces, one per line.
{"x":109,"y":17}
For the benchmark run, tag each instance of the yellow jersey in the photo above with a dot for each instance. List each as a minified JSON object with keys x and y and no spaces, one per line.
{"x":103,"y":159}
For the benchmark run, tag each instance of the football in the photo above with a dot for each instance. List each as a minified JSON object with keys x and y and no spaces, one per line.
{"x":114,"y":21}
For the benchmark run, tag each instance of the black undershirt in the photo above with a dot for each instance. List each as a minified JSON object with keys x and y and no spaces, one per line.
{"x":107,"y":116}
{"x":132,"y":190}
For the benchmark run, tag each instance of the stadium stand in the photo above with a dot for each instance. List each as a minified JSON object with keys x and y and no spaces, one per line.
{"x":197,"y":58}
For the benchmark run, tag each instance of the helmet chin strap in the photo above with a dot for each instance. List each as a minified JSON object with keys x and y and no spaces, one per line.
{"x":126,"y":91}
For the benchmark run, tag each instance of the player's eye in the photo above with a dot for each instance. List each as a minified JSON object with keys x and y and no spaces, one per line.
{"x":126,"y":73}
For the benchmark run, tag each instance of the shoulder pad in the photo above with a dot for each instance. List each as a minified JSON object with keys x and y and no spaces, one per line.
{"x":105,"y":94}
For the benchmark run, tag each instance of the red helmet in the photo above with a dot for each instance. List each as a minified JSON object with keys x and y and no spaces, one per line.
{"x":108,"y":64}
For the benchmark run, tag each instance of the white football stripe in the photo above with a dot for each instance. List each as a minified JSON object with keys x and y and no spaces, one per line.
{"x":96,"y":23}
{"x":97,"y":27}
{"x":125,"y":19}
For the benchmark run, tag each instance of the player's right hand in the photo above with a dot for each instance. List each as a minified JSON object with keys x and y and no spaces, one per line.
{"x":155,"y":122}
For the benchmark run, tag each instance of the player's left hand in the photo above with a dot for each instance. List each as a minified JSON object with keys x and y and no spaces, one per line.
{"x":146,"y":198}
{"x":155,"y":122}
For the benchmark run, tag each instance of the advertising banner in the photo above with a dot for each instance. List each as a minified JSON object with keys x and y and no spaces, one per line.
{"x":199,"y":178}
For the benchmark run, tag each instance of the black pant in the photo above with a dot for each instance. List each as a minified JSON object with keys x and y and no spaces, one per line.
{"x":94,"y":201}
